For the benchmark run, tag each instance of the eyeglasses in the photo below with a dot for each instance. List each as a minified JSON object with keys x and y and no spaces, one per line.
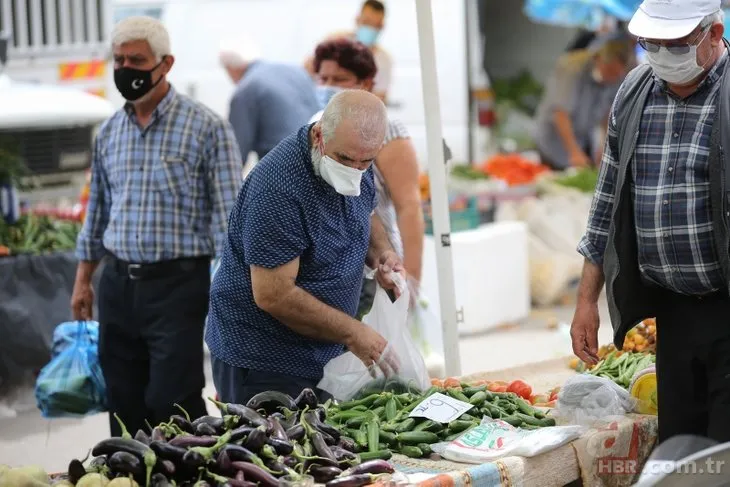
{"x":676,"y":49}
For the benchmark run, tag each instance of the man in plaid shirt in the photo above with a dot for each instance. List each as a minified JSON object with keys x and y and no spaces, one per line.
{"x":656,"y":213}
{"x":165,"y":174}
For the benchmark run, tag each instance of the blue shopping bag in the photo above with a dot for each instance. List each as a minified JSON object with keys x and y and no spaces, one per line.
{"x":72,"y":384}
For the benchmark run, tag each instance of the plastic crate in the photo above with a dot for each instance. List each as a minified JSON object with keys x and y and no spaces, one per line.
{"x":467,"y":218}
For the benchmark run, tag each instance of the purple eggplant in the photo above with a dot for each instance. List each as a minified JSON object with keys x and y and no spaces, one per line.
{"x":214,"y":421}
{"x":159,"y":480}
{"x":223,"y":463}
{"x":204,"y":429}
{"x":238,"y":483}
{"x":347,"y":444}
{"x":165,"y":467}
{"x":313,"y":418}
{"x":276,"y":467}
{"x":247,"y":415}
{"x":322,"y":474}
{"x":254,"y":473}
{"x":76,"y":470}
{"x":277,"y":430}
{"x":306,"y":398}
{"x":126,"y":463}
{"x":351,"y":481}
{"x":296,"y":432}
{"x":194,"y":459}
{"x":255,"y":440}
{"x":271,"y":402}
{"x":282,"y":447}
{"x":157,"y":435}
{"x":181,"y":423}
{"x":372,"y":467}
{"x":290,"y":462}
{"x":240,"y":476}
{"x":241,"y":432}
{"x":142,"y":437}
{"x":167,"y":451}
{"x":320,"y":447}
{"x":189,"y":441}
{"x":238,"y":453}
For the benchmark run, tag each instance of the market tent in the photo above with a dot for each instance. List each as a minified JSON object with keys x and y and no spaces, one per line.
{"x":588,"y":14}
{"x":439,"y":196}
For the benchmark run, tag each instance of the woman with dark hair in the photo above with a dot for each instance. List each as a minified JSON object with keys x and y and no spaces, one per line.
{"x":344,"y":64}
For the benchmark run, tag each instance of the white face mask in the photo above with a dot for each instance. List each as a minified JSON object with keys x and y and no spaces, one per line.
{"x":677,"y":69}
{"x":344,"y":179}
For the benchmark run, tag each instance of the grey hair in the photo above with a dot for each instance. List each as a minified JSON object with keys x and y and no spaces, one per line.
{"x":140,"y":28}
{"x":238,"y":54}
{"x":715,"y":18}
{"x":369,"y":119}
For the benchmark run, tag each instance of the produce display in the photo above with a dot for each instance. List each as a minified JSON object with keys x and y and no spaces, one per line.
{"x":513,"y":168}
{"x":380,"y":424}
{"x":584,"y":180}
{"x":468,"y":172}
{"x":621,"y":367}
{"x":33,"y":234}
{"x":272,"y":436}
{"x":641,"y":338}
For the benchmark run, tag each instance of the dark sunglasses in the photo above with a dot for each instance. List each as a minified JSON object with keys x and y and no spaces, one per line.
{"x":676,"y":49}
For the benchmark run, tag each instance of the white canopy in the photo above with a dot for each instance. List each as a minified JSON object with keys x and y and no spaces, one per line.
{"x":25,"y":105}
{"x":439,"y":196}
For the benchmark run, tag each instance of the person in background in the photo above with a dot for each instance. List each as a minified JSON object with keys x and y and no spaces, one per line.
{"x":577,"y":99}
{"x":368,"y":26}
{"x":270,"y":102}
{"x":165,"y":173}
{"x":657,"y":234}
{"x":283,"y":300}
{"x":344,"y":64}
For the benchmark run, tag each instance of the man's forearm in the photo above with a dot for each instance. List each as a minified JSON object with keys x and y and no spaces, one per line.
{"x":310,"y":317}
{"x":379,"y":242}
{"x":591,"y":283}
{"x":564,"y":128}
{"x":85,"y":271}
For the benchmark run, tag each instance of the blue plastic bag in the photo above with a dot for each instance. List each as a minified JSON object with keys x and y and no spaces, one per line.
{"x":72,"y":384}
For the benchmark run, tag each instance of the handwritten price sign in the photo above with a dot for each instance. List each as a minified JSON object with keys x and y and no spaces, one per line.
{"x":440,"y":408}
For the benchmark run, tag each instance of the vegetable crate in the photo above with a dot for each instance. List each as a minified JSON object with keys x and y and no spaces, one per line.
{"x":464,"y":214}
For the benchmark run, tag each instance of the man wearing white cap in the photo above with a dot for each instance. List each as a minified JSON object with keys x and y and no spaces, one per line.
{"x":658,"y":228}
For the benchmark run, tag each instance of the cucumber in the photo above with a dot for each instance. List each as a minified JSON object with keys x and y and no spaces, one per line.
{"x":411,"y":451}
{"x":377,"y":455}
{"x":388,"y":437}
{"x":457,"y":426}
{"x":373,"y":436}
{"x":406,"y":425}
{"x":425,"y":448}
{"x":391,"y":409}
{"x":416,"y":437}
{"x":514,"y":420}
{"x":470,"y":391}
{"x":457,"y":394}
{"x":429,"y":425}
{"x":478,"y":398}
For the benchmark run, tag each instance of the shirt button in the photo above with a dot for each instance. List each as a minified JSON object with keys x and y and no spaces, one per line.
{"x":676,"y":134}
{"x":671,"y":169}
{"x":666,"y":234}
{"x":666,"y":202}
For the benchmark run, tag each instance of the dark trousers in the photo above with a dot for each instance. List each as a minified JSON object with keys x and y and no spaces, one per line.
{"x":151,"y":340}
{"x":238,"y":385}
{"x":693,"y":366}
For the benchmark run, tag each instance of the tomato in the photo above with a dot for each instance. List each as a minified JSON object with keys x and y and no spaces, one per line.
{"x":497,"y":387}
{"x":437,"y":382}
{"x":452,"y":382}
{"x":520,"y":388}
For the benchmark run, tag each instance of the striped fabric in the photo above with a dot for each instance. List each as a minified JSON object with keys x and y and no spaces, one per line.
{"x":163,"y":192}
{"x":385,"y":209}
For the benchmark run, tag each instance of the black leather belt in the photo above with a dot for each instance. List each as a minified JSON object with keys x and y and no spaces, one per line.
{"x":157,"y":270}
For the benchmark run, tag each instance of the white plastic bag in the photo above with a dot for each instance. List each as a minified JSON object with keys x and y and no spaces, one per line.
{"x":346,"y":375}
{"x":426,"y":332}
{"x":494,"y":439}
{"x":586,"y":399}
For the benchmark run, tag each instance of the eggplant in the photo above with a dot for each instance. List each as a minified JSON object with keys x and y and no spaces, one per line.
{"x":238,"y":483}
{"x":96,"y":464}
{"x":296,"y":433}
{"x":166,"y":467}
{"x":290,"y":462}
{"x":254,"y":473}
{"x":306,"y":398}
{"x":271,"y":402}
{"x":238,"y":453}
{"x":325,"y":462}
{"x":246,"y":414}
{"x":182,"y":423}
{"x":167,"y":451}
{"x":320,"y":447}
{"x":110,"y":446}
{"x":157,"y":435}
{"x":194,"y":459}
{"x":240,"y":476}
{"x":241,"y":432}
{"x":372,"y":467}
{"x":313,"y":419}
{"x":347,"y":444}
{"x":322,"y":474}
{"x":282,"y":447}
{"x":351,"y":481}
{"x":277,"y":468}
{"x":343,"y":457}
{"x":214,"y":421}
{"x":255,"y":440}
{"x":126,"y":463}
{"x":159,"y":480}
{"x":142,"y":437}
{"x":223,"y":463}
{"x":204,"y":429}
{"x":76,"y":470}
{"x":189,"y":441}
{"x":277,"y":430}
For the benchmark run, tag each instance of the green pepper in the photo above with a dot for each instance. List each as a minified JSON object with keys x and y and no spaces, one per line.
{"x":411,"y":451}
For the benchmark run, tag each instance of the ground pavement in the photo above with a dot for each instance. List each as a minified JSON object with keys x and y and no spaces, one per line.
{"x":29,"y":439}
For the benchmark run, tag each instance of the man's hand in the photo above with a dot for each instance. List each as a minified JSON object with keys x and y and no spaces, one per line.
{"x":82,"y":301}
{"x":584,"y":332}
{"x":370,"y":347}
{"x":580,"y":159}
{"x":389,"y":262}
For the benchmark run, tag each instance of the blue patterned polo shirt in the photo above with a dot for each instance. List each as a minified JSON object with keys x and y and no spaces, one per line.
{"x":284,"y":211}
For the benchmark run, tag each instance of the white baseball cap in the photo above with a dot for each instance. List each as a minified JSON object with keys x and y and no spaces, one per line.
{"x":670,"y":19}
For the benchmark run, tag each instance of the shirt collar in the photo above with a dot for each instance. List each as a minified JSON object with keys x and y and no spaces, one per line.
{"x":712,"y":76}
{"x":161,"y":107}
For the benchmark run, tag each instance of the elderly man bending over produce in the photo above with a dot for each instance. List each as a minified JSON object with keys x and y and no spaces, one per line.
{"x":283,"y":300}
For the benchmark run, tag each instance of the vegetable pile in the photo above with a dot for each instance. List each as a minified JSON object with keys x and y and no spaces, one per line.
{"x":583,"y":180}
{"x":37,"y":234}
{"x":380,"y":423}
{"x":621,"y":367}
{"x":270,"y":437}
{"x":641,"y":338}
{"x":468,"y":172}
{"x":513,"y":169}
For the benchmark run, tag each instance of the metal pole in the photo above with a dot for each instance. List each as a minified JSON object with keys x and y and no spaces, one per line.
{"x":439,"y":196}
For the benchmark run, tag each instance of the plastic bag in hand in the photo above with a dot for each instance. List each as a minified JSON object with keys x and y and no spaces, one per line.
{"x":72,"y":384}
{"x":586,"y":399}
{"x":346,"y":376}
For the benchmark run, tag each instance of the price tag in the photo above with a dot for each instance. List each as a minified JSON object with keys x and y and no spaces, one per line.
{"x":440,"y":408}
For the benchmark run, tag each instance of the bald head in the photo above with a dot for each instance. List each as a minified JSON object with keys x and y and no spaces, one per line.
{"x":351,"y":130}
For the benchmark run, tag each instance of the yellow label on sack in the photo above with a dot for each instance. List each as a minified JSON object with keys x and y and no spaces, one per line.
{"x":644,"y":390}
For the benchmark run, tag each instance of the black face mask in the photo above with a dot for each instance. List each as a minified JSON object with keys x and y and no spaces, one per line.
{"x":133,"y":84}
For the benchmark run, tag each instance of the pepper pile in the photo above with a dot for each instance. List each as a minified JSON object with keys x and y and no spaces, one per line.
{"x":621,"y":367}
{"x":36,"y":234}
{"x":381,"y":424}
{"x":271,"y":436}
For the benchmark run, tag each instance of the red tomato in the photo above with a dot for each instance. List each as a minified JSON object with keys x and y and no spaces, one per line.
{"x":520,"y":388}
